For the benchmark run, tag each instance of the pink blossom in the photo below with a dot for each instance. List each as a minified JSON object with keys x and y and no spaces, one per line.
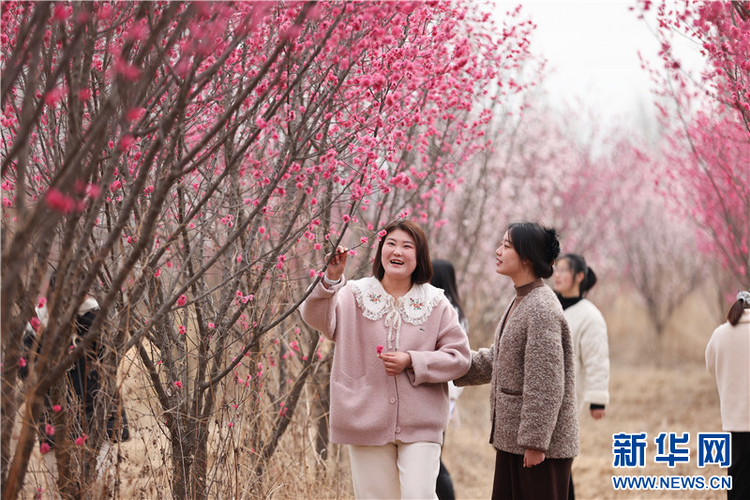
{"x":346,"y":218}
{"x":57,"y":408}
{"x":182,"y":300}
{"x":44,"y":448}
{"x":53,"y":96}
{"x":178,"y":384}
{"x":22,"y":362}
{"x":134,"y":114}
{"x":59,"y":202}
{"x":93,"y":190}
{"x":379,"y":349}
{"x":61,"y":12}
{"x":104,"y":11}
{"x":80,"y":441}
{"x":126,"y":142}
{"x":35,"y":323}
{"x":84,"y":94}
{"x":42,"y":302}
{"x":137,"y":32}
{"x":292,"y":32}
{"x":182,"y":330}
{"x":128,"y":71}
{"x":49,"y":429}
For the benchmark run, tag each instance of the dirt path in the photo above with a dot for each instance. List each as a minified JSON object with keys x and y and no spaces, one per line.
{"x":647,"y":400}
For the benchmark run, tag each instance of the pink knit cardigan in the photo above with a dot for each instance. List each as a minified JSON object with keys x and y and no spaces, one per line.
{"x":369,"y":407}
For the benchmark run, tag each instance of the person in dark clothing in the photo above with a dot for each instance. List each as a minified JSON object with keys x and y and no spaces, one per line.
{"x":444,"y":277}
{"x":83,"y":381}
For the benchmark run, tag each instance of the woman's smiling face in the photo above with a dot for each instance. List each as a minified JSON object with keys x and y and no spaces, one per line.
{"x":399,"y":255}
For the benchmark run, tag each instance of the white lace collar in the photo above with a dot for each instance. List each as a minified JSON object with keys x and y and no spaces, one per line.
{"x":414,"y":307}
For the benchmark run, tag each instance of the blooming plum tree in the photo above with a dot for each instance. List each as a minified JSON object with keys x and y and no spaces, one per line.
{"x":708,"y":119}
{"x":192,"y":162}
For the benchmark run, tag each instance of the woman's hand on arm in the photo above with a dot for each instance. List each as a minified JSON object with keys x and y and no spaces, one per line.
{"x":395,"y":362}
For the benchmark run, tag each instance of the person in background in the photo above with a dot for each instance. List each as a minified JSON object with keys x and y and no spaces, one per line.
{"x":728,"y":360}
{"x":84,"y":381}
{"x":531,"y":368}
{"x":572,"y":281}
{"x":444,"y":277}
{"x":398,"y":343}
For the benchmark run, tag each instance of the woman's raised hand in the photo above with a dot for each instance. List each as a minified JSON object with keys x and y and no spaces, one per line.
{"x":338,"y":263}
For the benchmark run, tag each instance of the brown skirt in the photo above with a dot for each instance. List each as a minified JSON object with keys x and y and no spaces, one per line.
{"x":548,"y":480}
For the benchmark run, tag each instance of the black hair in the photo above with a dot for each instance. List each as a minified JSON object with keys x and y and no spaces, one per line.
{"x":735,"y":312}
{"x":52,"y":279}
{"x":535,"y":244}
{"x":444,"y":276}
{"x":578,"y":265}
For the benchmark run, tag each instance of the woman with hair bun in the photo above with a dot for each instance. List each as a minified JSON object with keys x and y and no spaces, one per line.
{"x":727,"y":359}
{"x":532,"y":373}
{"x":572,"y":281}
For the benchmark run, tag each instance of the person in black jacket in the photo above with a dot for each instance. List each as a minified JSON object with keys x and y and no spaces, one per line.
{"x":83,"y":381}
{"x":444,"y":277}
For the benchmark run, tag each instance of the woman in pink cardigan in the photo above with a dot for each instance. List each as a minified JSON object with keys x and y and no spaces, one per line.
{"x":398,"y":343}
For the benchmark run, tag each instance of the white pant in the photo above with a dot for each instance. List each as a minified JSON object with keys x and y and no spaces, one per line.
{"x":395,"y":470}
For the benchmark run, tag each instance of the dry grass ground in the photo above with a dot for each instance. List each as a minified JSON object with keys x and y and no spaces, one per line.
{"x":651,"y":400}
{"x":656,"y":386}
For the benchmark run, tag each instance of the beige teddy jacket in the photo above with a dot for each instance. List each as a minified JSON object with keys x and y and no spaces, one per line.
{"x":532,"y":371}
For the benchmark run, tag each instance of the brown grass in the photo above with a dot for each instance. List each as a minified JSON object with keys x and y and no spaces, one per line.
{"x":651,"y":400}
{"x":656,"y":386}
